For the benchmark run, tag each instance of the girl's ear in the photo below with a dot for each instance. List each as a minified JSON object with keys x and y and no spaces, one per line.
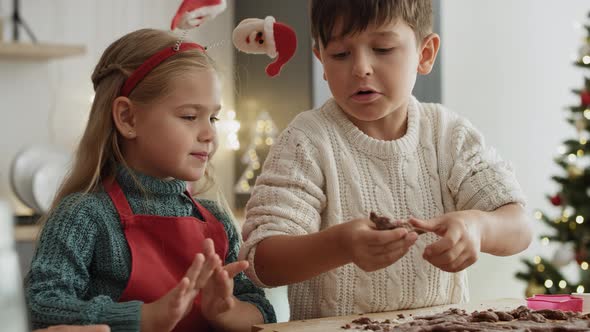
{"x":124,"y":117}
{"x":428,"y":52}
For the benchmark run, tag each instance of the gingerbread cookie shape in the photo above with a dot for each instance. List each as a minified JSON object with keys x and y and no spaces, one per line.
{"x":519,"y":319}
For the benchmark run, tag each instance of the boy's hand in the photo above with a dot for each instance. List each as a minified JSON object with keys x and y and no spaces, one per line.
{"x":460,"y":241}
{"x":217,"y":296}
{"x":372,"y":249}
{"x":163,"y":314}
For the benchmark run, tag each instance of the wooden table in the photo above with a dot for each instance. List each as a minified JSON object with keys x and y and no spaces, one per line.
{"x":334,"y":324}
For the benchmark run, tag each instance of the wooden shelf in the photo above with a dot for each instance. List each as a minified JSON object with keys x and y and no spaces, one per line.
{"x":38,"y":52}
{"x":26,"y":233}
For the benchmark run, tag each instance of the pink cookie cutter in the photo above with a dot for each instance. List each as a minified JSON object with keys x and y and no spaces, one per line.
{"x":555,"y":302}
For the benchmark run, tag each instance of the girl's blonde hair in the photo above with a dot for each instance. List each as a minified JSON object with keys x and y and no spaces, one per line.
{"x":99,"y":152}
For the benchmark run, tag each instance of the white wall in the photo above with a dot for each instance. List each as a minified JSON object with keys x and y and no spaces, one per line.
{"x":48,"y":102}
{"x":508,"y":68}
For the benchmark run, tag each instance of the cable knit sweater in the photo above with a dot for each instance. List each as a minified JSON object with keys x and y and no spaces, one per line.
{"x":323,"y":171}
{"x":82,"y":263}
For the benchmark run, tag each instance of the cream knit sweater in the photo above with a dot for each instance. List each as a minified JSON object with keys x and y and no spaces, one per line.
{"x":324,"y":171}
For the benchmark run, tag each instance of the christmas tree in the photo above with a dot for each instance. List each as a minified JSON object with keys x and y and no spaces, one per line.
{"x":571,"y":227}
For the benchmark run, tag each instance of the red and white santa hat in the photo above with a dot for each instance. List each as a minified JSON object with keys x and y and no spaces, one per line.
{"x":193,"y":13}
{"x":258,"y":36}
{"x":190,"y":14}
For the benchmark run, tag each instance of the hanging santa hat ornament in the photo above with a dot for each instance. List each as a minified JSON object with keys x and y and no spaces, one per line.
{"x":193,"y":13}
{"x":266,"y":36}
{"x":190,"y":14}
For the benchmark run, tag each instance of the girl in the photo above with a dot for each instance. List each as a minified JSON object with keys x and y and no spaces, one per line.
{"x":125,"y":243}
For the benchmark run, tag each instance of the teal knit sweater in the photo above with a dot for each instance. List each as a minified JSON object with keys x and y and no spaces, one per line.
{"x":82,"y":262}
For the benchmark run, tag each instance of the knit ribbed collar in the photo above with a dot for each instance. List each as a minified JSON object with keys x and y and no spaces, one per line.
{"x":370,"y":145}
{"x":152,"y":185}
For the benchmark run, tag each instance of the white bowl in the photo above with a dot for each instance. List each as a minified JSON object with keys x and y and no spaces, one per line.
{"x":23,"y":168}
{"x":46,"y":181}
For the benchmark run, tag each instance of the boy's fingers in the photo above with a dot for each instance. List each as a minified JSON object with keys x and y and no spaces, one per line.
{"x":449,"y":256}
{"x":391,"y":257}
{"x":410,"y":238}
{"x":380,"y":238}
{"x":438,"y":247}
{"x":407,"y":242}
{"x":448,"y":241}
{"x":432,"y":225}
{"x":423,"y":224}
{"x":455,"y":265}
{"x":467,"y":263}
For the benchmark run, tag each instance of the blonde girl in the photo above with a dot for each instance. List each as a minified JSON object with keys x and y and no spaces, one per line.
{"x":125,"y":244}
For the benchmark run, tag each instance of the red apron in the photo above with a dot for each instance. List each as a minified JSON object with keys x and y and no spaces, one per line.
{"x":162,"y":249}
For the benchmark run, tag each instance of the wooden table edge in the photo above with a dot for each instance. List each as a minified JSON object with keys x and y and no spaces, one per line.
{"x":502,"y":304}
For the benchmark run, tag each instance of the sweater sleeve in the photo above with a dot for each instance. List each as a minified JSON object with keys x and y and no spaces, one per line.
{"x":479,"y":178}
{"x":57,"y":283}
{"x":244,"y":289}
{"x":288,"y":196}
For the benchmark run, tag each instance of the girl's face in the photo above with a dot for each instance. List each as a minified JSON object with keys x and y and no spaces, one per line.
{"x":176,"y":136}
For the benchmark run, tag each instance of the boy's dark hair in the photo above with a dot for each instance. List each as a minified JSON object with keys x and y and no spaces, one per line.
{"x":359,"y":14}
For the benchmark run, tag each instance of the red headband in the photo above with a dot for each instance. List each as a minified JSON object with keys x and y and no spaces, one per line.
{"x":152,"y":63}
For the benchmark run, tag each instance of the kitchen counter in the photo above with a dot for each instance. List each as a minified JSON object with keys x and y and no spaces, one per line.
{"x":334,"y":324}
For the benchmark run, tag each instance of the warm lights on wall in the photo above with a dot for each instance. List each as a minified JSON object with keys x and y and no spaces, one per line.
{"x":228,"y":128}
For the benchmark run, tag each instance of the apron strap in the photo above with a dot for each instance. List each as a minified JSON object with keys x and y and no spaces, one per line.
{"x":210,"y":219}
{"x":207,"y":216}
{"x":112,"y":187}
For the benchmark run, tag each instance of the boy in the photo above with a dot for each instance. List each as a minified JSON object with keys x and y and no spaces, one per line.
{"x":375,"y":148}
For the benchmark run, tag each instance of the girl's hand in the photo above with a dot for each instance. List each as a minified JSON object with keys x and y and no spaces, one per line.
{"x":372,"y":249}
{"x":163,"y":314}
{"x":460,"y":241}
{"x":217,"y":295}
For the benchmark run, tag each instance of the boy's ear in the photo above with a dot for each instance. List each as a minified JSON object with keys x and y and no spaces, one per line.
{"x":124,"y":117}
{"x":318,"y":55}
{"x":428,"y":52}
{"x":316,"y":52}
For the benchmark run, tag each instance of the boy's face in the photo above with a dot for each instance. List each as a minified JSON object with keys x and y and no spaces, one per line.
{"x":371,"y":74}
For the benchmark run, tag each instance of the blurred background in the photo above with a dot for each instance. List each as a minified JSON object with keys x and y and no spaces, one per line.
{"x":507,"y":65}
